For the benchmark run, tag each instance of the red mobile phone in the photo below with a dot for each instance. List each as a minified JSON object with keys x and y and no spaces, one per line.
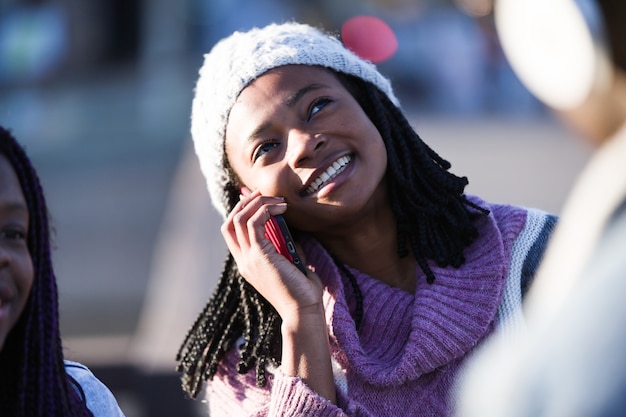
{"x":278,"y":233}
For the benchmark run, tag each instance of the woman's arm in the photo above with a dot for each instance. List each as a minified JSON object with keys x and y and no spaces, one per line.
{"x":305,"y":351}
{"x":296,"y":297}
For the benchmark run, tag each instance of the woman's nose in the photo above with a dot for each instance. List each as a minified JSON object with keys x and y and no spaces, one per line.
{"x":302,"y":145}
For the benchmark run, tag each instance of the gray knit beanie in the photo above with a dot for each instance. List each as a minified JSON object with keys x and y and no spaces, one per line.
{"x":237,"y":60}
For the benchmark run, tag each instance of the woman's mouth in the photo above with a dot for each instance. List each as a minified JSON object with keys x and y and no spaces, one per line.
{"x":331,"y":172}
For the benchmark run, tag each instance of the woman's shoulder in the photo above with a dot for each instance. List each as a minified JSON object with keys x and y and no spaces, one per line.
{"x":533,"y":220}
{"x":536,"y":225}
{"x":98,"y":397}
{"x":525,"y":232}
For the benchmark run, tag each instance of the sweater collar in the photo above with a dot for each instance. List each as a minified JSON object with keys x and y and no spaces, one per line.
{"x":404,"y":336}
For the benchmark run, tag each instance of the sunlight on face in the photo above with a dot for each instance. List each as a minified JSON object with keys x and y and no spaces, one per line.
{"x":296,"y":132}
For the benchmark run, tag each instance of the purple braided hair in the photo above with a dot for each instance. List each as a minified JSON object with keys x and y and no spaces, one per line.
{"x":33,"y":381}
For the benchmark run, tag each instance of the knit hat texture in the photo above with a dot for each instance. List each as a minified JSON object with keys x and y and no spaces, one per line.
{"x":240,"y":58}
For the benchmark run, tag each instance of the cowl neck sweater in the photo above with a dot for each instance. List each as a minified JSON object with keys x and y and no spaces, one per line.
{"x":409,"y":349}
{"x":404,"y":336}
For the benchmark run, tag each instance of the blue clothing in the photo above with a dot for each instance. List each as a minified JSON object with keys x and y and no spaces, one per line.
{"x":99,"y":398}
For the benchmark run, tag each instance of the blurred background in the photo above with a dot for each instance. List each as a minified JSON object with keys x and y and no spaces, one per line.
{"x":99,"y":92}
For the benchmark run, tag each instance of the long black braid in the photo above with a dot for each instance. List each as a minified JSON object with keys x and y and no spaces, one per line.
{"x":427,"y":200}
{"x":434,"y":220}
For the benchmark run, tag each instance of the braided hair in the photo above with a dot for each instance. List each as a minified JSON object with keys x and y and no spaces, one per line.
{"x":33,"y":381}
{"x":434,"y":219}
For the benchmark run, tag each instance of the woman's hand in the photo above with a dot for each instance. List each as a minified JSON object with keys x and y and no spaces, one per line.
{"x":287,"y":289}
{"x":296,"y":297}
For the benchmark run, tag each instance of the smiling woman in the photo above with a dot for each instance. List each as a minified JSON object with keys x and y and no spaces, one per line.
{"x":321,"y":114}
{"x":35,"y":379}
{"x":406,"y":273}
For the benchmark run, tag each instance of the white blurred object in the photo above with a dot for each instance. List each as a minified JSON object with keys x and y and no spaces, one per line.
{"x":556,"y":47}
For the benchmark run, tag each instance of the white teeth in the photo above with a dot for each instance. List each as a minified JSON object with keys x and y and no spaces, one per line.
{"x":337,"y":167}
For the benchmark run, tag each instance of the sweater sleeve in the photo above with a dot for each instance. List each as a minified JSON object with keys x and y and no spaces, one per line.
{"x":233,"y":394}
{"x":292,"y":397}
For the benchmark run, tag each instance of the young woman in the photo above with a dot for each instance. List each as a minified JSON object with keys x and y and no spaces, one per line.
{"x":405,"y":275}
{"x":35,"y":380}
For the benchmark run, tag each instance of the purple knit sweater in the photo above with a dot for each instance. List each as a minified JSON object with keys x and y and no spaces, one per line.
{"x":404,"y":359}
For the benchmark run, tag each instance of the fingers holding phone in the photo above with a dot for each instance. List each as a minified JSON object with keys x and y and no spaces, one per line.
{"x":277,"y":231}
{"x":266,"y":253}
{"x":245,"y":225}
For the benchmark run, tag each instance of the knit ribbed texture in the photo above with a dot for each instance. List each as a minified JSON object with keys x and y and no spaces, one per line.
{"x":529,"y":248}
{"x":290,"y":398}
{"x":442,"y":322}
{"x":409,"y":350}
{"x":244,"y":56}
{"x":233,"y":394}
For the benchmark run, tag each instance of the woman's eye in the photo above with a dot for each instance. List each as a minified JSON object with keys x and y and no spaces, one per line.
{"x":12,"y":234}
{"x":262,"y":149}
{"x":317,"y":106}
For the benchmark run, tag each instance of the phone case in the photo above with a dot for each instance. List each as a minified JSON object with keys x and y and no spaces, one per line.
{"x":277,"y":232}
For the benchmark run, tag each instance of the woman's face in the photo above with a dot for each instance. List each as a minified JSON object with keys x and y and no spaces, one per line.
{"x":296,"y":132}
{"x":16,"y":267}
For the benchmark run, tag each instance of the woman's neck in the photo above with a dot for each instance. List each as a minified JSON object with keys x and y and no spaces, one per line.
{"x":372,"y":248}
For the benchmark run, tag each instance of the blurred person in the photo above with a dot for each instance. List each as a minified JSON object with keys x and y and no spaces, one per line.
{"x":35,"y":380}
{"x":405,"y":273}
{"x":569,"y":361}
